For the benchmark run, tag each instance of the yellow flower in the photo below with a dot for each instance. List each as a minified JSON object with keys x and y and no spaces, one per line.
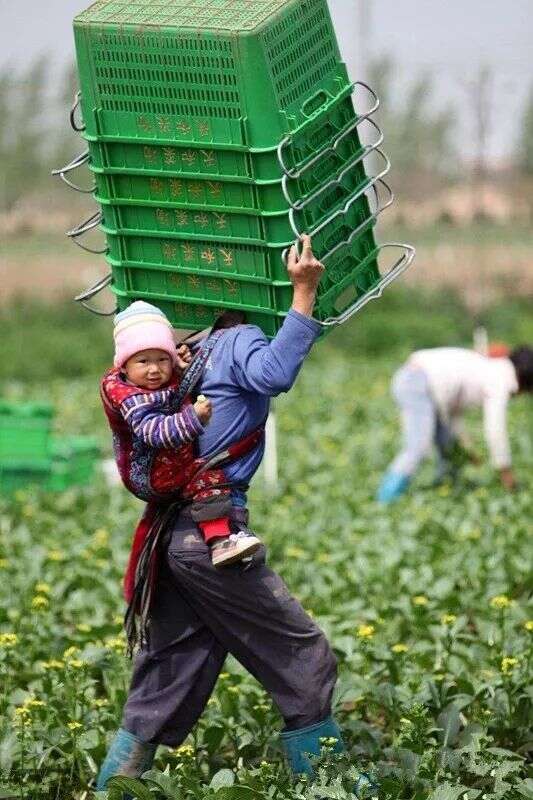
{"x":439,"y":676}
{"x":56,"y":555}
{"x":118,"y":620}
{"x":3,"y":563}
{"x":116,"y":643}
{"x":22,"y":717}
{"x":100,"y":702}
{"x":448,"y":619}
{"x":8,"y":640}
{"x":101,"y":537}
{"x":233,"y":689}
{"x":83,"y":627}
{"x":42,"y":588}
{"x":528,"y":625}
{"x":366,"y":631}
{"x":33,"y":703}
{"x":53,"y":664}
{"x":76,"y":663}
{"x":74,"y":726}
{"x":212,"y":701}
{"x":71,"y":651}
{"x":184,"y":751}
{"x":508,"y":664}
{"x":40,"y":602}
{"x":420,"y":600}
{"x":501,"y":601}
{"x":294,"y":552}
{"x":224,"y":676}
{"x":400,"y":648}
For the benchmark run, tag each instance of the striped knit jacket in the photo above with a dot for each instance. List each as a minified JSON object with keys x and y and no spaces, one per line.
{"x":152,"y":441}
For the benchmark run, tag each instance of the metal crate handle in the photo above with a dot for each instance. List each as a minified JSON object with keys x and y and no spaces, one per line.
{"x":83,"y":228}
{"x":296,"y":172}
{"x":339,"y":177}
{"x":380,"y":208}
{"x":346,"y":207}
{"x":395,"y":271}
{"x":76,"y":163}
{"x":88,"y":294}
{"x":81,"y":127}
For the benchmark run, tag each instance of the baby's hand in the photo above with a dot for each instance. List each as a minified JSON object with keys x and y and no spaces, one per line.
{"x":184,"y":357}
{"x":203,"y":409}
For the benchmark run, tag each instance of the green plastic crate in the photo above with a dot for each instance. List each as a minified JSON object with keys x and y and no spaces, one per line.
{"x":73,"y":462}
{"x":173,"y":184}
{"x":270,"y":227}
{"x":171,"y":157}
{"x":238,"y":255}
{"x":245,"y":71}
{"x":25,"y":435}
{"x":15,"y":478}
{"x":193,"y":299}
{"x":189,"y":315}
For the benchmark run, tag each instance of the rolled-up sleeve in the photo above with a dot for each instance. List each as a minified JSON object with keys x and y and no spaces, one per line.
{"x":269,"y":368}
{"x":495,"y":428}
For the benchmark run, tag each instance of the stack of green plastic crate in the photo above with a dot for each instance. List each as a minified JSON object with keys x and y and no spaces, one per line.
{"x":218,"y":130}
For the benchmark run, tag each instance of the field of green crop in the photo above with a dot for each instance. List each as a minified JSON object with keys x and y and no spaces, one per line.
{"x":426,"y":604}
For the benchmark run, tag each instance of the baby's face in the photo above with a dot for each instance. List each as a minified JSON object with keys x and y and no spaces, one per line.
{"x":149,"y":369}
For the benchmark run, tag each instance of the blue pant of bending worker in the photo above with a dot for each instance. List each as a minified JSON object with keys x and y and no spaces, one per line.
{"x":199,"y":615}
{"x":422,"y":428}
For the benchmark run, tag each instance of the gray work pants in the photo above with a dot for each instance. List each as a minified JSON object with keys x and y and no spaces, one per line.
{"x":199,"y":614}
{"x":421,"y":424}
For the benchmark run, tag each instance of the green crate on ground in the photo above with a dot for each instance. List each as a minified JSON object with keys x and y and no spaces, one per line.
{"x":25,"y":435}
{"x":73,"y":462}
{"x":15,"y":478}
{"x":241,"y":72}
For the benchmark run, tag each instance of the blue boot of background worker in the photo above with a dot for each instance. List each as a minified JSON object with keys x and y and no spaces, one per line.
{"x":127,"y":756}
{"x":392,"y":486}
{"x":301,"y":743}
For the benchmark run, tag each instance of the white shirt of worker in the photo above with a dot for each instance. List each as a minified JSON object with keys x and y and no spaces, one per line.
{"x":460,"y":379}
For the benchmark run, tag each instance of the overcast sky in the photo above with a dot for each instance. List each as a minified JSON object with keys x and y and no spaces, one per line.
{"x":450,"y":38}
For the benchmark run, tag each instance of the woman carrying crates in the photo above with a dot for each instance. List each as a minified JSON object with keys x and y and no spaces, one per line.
{"x":199,"y":613}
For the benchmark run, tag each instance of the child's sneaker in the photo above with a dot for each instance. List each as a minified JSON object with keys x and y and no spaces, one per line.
{"x":235,"y":547}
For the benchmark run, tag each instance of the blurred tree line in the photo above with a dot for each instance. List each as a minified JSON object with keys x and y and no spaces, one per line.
{"x":35,"y":136}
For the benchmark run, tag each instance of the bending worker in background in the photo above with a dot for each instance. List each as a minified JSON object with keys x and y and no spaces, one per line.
{"x":433,"y":389}
{"x":200,"y":613}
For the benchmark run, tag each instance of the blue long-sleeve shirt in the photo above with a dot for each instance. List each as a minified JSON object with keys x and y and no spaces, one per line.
{"x":243,"y":372}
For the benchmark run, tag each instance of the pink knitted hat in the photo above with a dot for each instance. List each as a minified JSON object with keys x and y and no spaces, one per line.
{"x":142,"y":327}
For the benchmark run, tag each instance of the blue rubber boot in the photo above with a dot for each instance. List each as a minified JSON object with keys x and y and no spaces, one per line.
{"x":127,"y":756}
{"x":300,"y":744}
{"x":392,"y":486}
